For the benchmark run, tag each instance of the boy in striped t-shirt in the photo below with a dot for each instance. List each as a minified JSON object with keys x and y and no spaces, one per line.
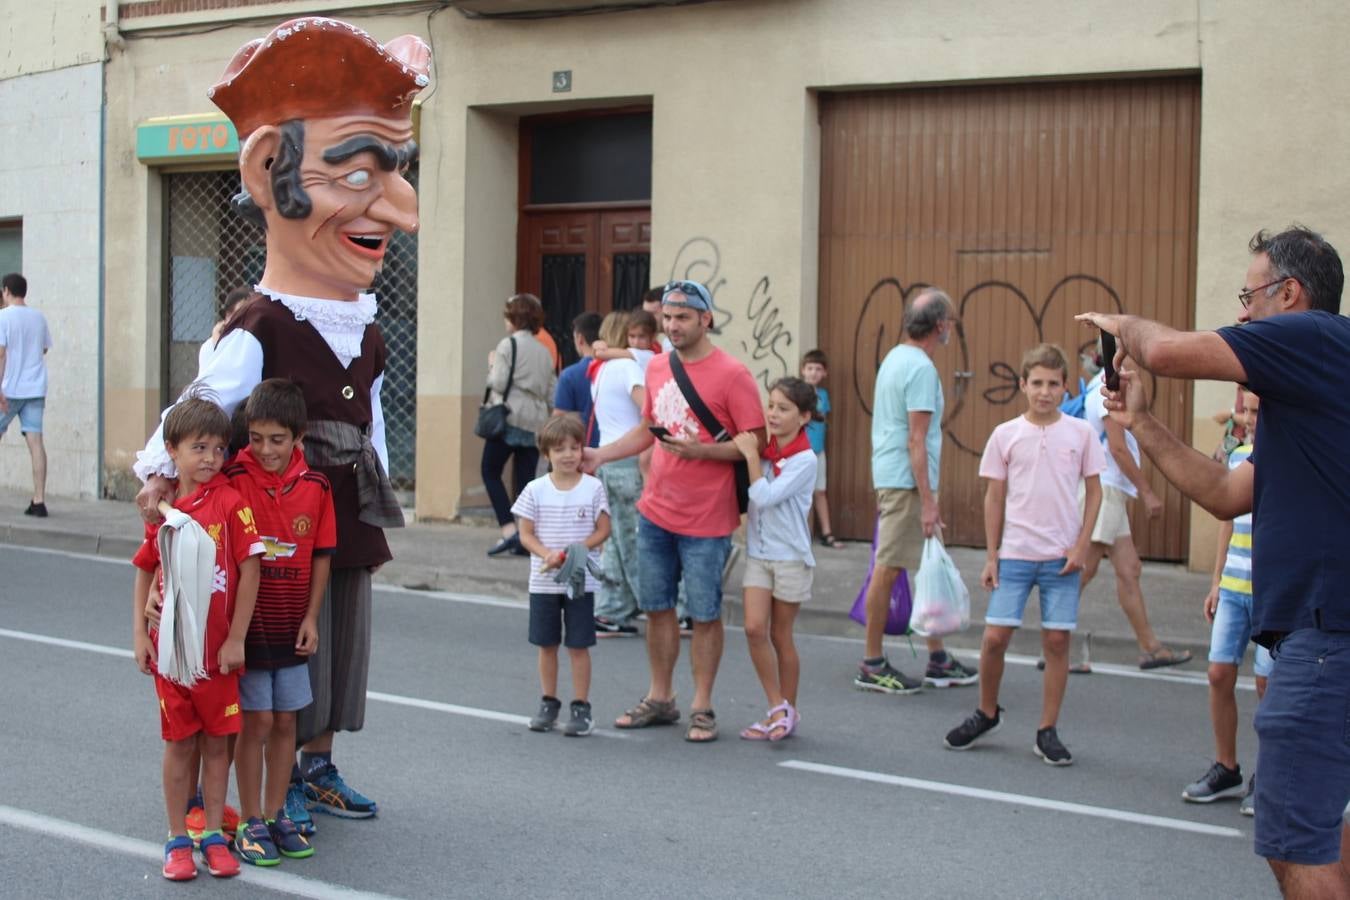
{"x":1228,"y":606}
{"x":563,"y":518}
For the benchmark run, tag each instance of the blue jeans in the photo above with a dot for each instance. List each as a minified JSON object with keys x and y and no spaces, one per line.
{"x":1303,"y":724}
{"x":1016,"y":578}
{"x":1232,"y":632}
{"x":617,"y":599}
{"x":668,"y":557}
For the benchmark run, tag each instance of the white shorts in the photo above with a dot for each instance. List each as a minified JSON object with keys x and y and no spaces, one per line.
{"x":820,"y":472}
{"x":788,"y":580}
{"x":1113,"y":519}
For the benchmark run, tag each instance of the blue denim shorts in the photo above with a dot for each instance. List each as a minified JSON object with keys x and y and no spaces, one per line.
{"x":1303,"y":724}
{"x":1016,"y":578}
{"x":1232,"y":632}
{"x":664,"y":557}
{"x":28,"y":412}
{"x":275,"y":690}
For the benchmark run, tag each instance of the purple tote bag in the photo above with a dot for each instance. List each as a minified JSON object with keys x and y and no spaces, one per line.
{"x":897,"y":616}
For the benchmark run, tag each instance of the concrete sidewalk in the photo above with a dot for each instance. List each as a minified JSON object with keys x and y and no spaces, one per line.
{"x":452,"y":557}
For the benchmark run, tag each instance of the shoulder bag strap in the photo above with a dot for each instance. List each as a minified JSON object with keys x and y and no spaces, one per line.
{"x":511,"y":375}
{"x":696,"y":404}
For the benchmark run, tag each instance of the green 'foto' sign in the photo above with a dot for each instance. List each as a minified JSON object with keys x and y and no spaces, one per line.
{"x":207,"y":138}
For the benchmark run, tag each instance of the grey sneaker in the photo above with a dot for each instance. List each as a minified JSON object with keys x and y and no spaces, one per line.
{"x":1248,"y":805}
{"x":885,"y":680}
{"x":547,"y":717}
{"x":580,"y":724}
{"x":1219,"y":782}
{"x":1050,"y":749}
{"x":949,"y":674}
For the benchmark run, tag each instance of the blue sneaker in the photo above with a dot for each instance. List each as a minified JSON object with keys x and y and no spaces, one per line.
{"x":328,"y":793}
{"x":297,"y":809}
{"x":290,"y":842}
{"x":253,"y":842}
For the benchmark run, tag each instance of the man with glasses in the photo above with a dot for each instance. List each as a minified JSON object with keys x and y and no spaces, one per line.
{"x":688,"y":509}
{"x":1291,"y":352}
{"x":907,"y":405}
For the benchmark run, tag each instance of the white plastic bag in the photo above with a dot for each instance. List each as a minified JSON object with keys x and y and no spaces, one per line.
{"x":941,"y":601}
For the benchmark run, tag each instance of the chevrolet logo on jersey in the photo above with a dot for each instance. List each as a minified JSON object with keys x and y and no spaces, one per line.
{"x":276,"y":549}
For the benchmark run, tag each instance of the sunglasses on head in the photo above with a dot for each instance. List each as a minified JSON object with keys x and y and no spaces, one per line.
{"x":695,"y":295}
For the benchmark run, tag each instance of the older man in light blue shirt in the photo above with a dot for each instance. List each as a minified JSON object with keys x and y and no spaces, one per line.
{"x":906,"y":459}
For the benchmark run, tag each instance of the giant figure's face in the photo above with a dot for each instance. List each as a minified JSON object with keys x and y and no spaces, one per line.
{"x":353,"y":172}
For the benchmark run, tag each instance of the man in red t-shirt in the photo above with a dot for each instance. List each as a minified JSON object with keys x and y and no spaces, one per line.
{"x":688,"y":508}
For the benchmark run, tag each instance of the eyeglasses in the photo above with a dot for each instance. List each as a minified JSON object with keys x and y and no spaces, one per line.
{"x":1245,"y":297}
{"x":695,"y":294}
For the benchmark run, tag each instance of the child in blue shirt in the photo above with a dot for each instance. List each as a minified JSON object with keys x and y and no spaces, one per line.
{"x":815,"y":368}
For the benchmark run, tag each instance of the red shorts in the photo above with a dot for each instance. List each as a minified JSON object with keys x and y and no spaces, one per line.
{"x":211,"y":706}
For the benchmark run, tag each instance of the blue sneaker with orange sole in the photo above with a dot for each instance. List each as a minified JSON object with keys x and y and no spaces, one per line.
{"x":328,"y":793}
{"x":288,"y":839}
{"x":297,"y":808}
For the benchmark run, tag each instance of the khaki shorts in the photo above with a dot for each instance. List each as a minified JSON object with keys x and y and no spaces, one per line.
{"x":820,"y":472}
{"x":1113,"y":520}
{"x":900,"y":533}
{"x":788,"y":580}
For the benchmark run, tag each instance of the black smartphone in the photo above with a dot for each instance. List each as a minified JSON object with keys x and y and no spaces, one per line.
{"x":1109,"y":374}
{"x":660,"y":431}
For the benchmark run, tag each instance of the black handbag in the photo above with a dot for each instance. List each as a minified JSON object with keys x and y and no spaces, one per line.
{"x":715,"y":428}
{"x":492,"y":419}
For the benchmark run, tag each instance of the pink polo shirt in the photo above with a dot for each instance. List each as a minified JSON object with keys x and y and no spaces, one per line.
{"x":1042,"y":465}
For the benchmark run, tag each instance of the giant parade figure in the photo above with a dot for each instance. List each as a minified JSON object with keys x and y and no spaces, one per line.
{"x":324,"y":118}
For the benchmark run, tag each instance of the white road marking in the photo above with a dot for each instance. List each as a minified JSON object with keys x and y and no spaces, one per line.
{"x":941,"y":787}
{"x":281,"y":882}
{"x":396,"y":699}
{"x":1176,"y":676}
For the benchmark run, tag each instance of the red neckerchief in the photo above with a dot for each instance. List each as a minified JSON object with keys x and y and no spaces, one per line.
{"x":593,"y":370}
{"x":775,"y":456}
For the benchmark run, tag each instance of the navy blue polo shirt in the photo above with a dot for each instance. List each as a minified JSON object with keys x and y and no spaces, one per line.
{"x":1297,"y":364}
{"x":573,"y":394}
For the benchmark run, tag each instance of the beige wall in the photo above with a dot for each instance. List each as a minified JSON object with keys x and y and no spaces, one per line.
{"x":733,"y":87}
{"x":41,"y":37}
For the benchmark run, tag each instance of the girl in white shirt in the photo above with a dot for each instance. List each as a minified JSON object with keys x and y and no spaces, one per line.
{"x":779,"y":564}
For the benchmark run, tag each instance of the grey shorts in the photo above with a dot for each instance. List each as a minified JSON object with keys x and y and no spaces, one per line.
{"x":275,"y":690}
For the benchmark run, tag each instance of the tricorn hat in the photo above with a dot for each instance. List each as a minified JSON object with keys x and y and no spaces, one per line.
{"x":314,"y":68}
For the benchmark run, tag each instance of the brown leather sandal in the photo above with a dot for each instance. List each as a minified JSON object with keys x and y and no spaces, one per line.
{"x":650,"y":712}
{"x":701,"y":720}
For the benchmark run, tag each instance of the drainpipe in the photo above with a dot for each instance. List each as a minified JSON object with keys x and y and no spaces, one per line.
{"x":112,"y":35}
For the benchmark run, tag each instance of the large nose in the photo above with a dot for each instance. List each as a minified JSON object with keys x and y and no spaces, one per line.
{"x":397,"y":205}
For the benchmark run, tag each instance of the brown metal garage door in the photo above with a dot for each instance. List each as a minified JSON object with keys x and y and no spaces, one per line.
{"x":1026,"y":203}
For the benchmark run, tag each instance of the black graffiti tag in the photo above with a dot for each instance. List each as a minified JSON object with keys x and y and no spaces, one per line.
{"x":768,"y":335}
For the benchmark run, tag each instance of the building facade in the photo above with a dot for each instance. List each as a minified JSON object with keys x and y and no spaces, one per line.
{"x":51,"y":116}
{"x":812,"y":161}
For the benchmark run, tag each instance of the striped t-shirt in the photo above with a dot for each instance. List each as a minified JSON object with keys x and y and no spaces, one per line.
{"x":1237,"y":568}
{"x":561,"y":518}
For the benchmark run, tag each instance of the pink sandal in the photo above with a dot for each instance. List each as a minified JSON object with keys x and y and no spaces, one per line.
{"x":781,"y":728}
{"x":755,"y":732}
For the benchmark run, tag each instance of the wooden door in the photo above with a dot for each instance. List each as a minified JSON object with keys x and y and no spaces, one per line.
{"x":579,"y":260}
{"x":1027,"y":204}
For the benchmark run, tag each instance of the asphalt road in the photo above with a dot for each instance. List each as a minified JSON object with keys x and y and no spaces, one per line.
{"x":863,"y":802}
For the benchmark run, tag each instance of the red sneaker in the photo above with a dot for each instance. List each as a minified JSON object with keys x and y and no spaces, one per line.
{"x":220,"y":862}
{"x":196,"y":822}
{"x":178,"y":862}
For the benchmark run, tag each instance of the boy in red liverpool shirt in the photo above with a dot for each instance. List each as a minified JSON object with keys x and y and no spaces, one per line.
{"x":293,"y":508}
{"x":196,"y":432}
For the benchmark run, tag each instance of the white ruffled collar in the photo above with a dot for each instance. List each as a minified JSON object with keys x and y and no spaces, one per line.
{"x":339,"y":314}
{"x":341,"y":323}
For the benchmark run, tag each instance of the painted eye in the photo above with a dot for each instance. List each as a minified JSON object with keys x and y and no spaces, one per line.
{"x":358,"y":179}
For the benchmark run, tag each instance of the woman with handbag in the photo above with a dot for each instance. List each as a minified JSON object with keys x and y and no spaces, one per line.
{"x":515,"y":406}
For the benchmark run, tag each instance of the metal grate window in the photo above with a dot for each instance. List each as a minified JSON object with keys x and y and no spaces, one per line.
{"x":211,"y":250}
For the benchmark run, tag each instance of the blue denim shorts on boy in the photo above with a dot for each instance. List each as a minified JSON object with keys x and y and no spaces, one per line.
{"x":666,"y":556}
{"x":1304,"y":749}
{"x":549,"y":611}
{"x":29,"y":413}
{"x":275,"y":690}
{"x":1232,"y":632}
{"x":1016,"y":578}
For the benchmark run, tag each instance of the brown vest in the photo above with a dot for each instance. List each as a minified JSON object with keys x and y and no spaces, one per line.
{"x":294,"y":350}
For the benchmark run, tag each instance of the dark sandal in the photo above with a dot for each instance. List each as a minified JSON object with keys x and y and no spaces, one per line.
{"x":701,"y":720}
{"x":650,"y":712}
{"x":1163,"y":656}
{"x":828,"y":540}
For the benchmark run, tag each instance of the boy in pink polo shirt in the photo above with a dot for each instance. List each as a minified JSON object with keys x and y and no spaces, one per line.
{"x":1036,"y":536}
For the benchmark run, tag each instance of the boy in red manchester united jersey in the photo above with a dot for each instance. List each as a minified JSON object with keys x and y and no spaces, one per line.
{"x":294,"y":511}
{"x":195,"y":434}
